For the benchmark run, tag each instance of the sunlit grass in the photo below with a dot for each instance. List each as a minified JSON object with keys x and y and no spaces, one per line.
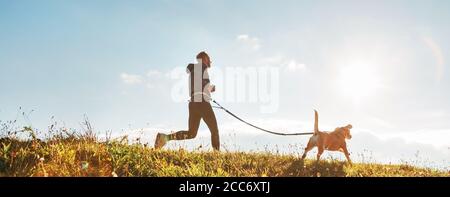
{"x":71,"y":153}
{"x":81,"y":157}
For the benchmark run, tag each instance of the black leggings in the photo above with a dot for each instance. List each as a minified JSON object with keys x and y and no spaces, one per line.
{"x":197,"y":111}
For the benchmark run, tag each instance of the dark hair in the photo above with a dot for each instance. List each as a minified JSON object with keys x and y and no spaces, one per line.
{"x":203,"y":55}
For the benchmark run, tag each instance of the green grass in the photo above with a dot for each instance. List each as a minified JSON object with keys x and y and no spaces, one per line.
{"x":83,"y":155}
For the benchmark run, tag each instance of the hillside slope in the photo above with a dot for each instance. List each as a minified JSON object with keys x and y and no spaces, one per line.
{"x":84,"y":156}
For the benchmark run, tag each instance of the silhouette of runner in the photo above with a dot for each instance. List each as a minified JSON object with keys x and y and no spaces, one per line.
{"x":199,"y":106}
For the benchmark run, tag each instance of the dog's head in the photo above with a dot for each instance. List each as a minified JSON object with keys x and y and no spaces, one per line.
{"x":346,"y":131}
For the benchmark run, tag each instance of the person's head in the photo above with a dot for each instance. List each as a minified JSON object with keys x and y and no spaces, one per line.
{"x":205,"y":58}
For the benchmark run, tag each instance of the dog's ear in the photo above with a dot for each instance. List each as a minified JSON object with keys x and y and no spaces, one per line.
{"x":349,"y":126}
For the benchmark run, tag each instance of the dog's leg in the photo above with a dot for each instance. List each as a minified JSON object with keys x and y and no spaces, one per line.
{"x":307,"y":149}
{"x":320,"y":151}
{"x":347,"y":155}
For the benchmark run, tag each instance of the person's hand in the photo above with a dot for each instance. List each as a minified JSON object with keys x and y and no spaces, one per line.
{"x":212,"y":88}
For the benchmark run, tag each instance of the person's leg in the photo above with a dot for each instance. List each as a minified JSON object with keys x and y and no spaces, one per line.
{"x":210,"y":119}
{"x":194,"y":123}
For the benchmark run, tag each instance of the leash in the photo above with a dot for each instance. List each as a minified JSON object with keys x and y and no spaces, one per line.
{"x":265,"y":130}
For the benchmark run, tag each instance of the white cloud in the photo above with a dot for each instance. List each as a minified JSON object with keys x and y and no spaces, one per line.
{"x":293,"y":65}
{"x":151,"y":79}
{"x":131,"y":79}
{"x":252,"y":42}
{"x":288,"y":64}
{"x":399,"y":150}
{"x":154,"y":73}
{"x":381,"y":122}
{"x":437,"y":138}
{"x":258,"y":58}
{"x":156,"y":79}
{"x":274,"y":60}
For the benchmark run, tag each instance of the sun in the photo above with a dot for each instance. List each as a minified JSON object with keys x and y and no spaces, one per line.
{"x":358,"y":82}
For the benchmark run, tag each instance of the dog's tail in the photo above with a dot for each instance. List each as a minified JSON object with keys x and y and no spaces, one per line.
{"x":316,"y":122}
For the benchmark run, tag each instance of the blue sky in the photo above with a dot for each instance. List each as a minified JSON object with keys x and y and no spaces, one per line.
{"x":380,"y":65}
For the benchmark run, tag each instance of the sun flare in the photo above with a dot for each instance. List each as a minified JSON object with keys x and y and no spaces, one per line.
{"x":357,"y":82}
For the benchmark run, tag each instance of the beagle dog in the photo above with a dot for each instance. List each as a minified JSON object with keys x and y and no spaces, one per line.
{"x":332,"y":141}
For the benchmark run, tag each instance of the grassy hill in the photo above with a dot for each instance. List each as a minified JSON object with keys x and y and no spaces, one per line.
{"x":83,"y":155}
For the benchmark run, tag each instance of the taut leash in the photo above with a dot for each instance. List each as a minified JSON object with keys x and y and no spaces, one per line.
{"x":254,"y":126}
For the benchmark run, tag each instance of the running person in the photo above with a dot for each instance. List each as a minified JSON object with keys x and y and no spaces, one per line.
{"x":199,"y":105}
